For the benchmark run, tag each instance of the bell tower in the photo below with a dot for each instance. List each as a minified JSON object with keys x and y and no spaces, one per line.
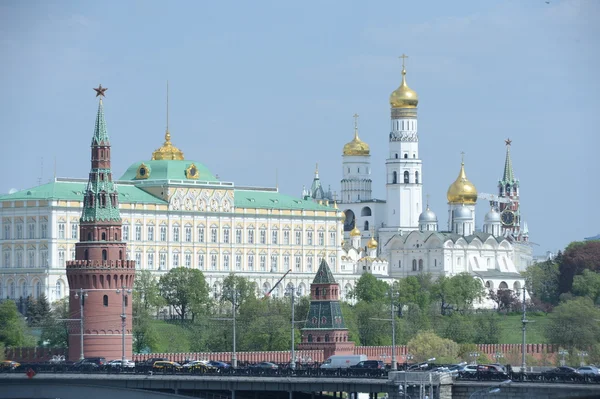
{"x":508,"y":189}
{"x":100,"y":267}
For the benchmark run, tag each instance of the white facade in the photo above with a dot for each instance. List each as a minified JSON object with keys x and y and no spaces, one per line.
{"x":356,"y":181}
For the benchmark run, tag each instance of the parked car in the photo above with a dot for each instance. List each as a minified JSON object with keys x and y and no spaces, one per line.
{"x":468,"y":368}
{"x":86,"y":364}
{"x":127,"y":364}
{"x":150,"y":362}
{"x":100,"y":361}
{"x":219,"y":365}
{"x":369,"y":364}
{"x":166,"y":365}
{"x":562,"y":370}
{"x":588,"y":370}
{"x":199,"y":366}
{"x":9,"y":365}
{"x":342,"y":361}
{"x":264,"y":366}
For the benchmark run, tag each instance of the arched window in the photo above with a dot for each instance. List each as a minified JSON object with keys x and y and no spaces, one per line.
{"x":420,"y":264}
{"x":310,"y":338}
{"x":104,"y":254}
{"x":399,"y":263}
{"x":517,"y":286}
{"x":89,"y":237}
{"x":357,"y":170}
{"x":405,"y":155}
{"x":395,"y":177}
{"x":503,"y":286}
{"x":414,"y":155}
{"x":317,"y":291}
{"x":326,"y":337}
{"x":417,"y":177}
{"x":105,"y":300}
{"x":103,"y":236}
{"x":406,"y":176}
{"x":366,"y":211}
{"x":366,"y":225}
{"x":86,"y":255}
{"x":121,"y":254}
{"x":414,"y":265}
{"x":396,"y":155}
{"x":126,"y":299}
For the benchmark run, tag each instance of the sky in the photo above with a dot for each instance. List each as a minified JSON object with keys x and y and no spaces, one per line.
{"x":268,"y":88}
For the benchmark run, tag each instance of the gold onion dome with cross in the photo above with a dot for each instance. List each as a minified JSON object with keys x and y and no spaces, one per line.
{"x":356,"y":146}
{"x":404,"y":96}
{"x":462,"y":191}
{"x":168,"y":151}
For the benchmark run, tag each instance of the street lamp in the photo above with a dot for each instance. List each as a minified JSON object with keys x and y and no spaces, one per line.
{"x":563,"y":353}
{"x":292,"y":293}
{"x":81,"y":296}
{"x":491,"y":390}
{"x":498,"y":356}
{"x":581,"y":356}
{"x":233,"y":295}
{"x":474,"y":355}
{"x":123,"y":293}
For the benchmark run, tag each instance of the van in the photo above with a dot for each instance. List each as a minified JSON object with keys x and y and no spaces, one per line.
{"x":342,"y":361}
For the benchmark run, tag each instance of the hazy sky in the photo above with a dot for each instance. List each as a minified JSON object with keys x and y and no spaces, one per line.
{"x":259,"y":86}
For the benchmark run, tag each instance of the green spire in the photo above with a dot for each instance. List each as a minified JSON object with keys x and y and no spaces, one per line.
{"x":324,"y":275}
{"x":509,"y":176}
{"x":100,"y":135}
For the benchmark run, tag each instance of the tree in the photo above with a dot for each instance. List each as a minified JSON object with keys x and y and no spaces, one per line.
{"x":12,"y":325}
{"x":185,"y":290}
{"x":506,"y":300}
{"x":146,"y":293}
{"x":37,"y":311}
{"x":412,"y":289}
{"x":458,"y":292}
{"x":264,"y":325}
{"x":578,"y":256}
{"x":574,"y":324}
{"x":541,"y":281}
{"x":369,"y":289}
{"x":55,"y":332}
{"x":373,"y":332}
{"x":587,"y":284}
{"x":145,"y":336}
{"x":427,"y":345}
{"x":244,"y":288}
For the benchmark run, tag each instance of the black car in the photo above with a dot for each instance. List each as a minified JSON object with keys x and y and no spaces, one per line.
{"x":562,"y":370}
{"x":369,"y":364}
{"x":85,"y":364}
{"x":150,"y":362}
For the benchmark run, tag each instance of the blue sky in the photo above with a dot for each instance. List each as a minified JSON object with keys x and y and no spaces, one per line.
{"x":262,"y":86}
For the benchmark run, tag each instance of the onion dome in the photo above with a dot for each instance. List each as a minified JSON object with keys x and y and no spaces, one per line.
{"x":372,"y":243}
{"x":404,"y":96}
{"x":493,"y":216}
{"x":356,"y":146}
{"x":168,"y":151}
{"x":462,"y":191}
{"x":355,"y":231}
{"x":427,"y":216}
{"x":462,"y":213}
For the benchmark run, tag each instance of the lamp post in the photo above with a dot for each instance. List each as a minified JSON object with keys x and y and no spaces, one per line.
{"x":498,"y":356}
{"x":524,"y":344}
{"x":407,"y":357}
{"x":491,"y":390}
{"x":233,"y":295}
{"x":292,"y":293}
{"x":394,"y":365}
{"x":123,"y":293}
{"x":582,"y":355}
{"x":474,"y":355}
{"x":81,"y":296}
{"x":563,"y":353}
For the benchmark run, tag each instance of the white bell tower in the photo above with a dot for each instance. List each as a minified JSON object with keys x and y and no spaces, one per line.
{"x":404,"y":179}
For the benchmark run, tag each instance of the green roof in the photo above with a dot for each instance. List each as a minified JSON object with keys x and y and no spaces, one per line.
{"x":324,"y":275}
{"x":100,"y":135}
{"x":168,"y":170}
{"x":324,"y":315}
{"x":74,"y":190}
{"x":274,"y":200}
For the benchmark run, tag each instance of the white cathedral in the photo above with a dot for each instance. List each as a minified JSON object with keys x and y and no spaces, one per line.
{"x":411,"y":240}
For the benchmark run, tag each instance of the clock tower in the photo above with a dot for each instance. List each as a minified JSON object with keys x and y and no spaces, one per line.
{"x":508,"y":189}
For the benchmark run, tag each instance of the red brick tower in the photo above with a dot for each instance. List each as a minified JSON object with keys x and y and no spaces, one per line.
{"x":324,"y":328}
{"x":100,"y":268}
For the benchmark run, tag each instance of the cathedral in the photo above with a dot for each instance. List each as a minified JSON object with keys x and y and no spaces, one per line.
{"x":412,"y":239}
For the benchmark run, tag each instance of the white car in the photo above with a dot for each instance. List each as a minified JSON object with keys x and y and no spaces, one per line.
{"x":128,"y":364}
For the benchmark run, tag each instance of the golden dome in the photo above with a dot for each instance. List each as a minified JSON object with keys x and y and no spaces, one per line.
{"x":462,"y":191}
{"x":168,"y":151}
{"x":356,"y":146}
{"x":372,"y":243}
{"x":404,"y":96}
{"x":355,"y":232}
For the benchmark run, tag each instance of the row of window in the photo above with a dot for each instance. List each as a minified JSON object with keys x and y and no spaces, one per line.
{"x":30,"y":260}
{"x":19,"y":231}
{"x":417,"y":265}
{"x":212,"y":235}
{"x":406,"y":177}
{"x":229,"y":262}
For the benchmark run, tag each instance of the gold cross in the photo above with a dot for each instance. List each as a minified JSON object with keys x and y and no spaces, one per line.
{"x":355,"y":121}
{"x":427,"y":200}
{"x":462,"y":157}
{"x":404,"y":57}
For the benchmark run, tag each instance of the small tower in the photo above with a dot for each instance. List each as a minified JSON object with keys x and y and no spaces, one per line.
{"x":100,"y":267}
{"x":356,"y":169}
{"x":324,"y":328}
{"x":462,"y":197}
{"x":317,"y":192}
{"x":508,"y":188}
{"x":428,"y":220}
{"x":372,"y":246}
{"x":491,"y":223}
{"x":355,"y":237}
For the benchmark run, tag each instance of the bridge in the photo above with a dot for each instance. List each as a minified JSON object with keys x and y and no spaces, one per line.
{"x":211,"y":386}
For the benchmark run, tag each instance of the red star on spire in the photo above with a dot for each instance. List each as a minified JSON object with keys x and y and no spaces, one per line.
{"x":508,"y":141}
{"x":100,"y":91}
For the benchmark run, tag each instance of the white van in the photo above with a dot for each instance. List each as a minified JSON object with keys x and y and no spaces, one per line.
{"x":342,"y":361}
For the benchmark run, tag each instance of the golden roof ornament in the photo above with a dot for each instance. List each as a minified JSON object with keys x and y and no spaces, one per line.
{"x":404,"y":96}
{"x":168,"y":151}
{"x":355,"y":231}
{"x":462,"y":191}
{"x":372,"y":244}
{"x":356,"y":146}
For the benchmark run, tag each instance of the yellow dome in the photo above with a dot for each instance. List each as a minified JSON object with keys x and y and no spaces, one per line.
{"x":168,"y":151}
{"x":356,"y":146}
{"x":355,"y":232}
{"x":372,"y":243}
{"x":462,"y":191}
{"x":404,"y":96}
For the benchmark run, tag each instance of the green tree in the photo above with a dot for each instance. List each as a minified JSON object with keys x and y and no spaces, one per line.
{"x":350,"y":322}
{"x":185,"y":290}
{"x":427,"y":345}
{"x":412,"y":289}
{"x":37,"y":310}
{"x":541,"y":281}
{"x":578,"y":256}
{"x":415,"y":320}
{"x":506,"y":300}
{"x":587,"y":284}
{"x":55,"y":332}
{"x":574,"y":324}
{"x":146,"y":293}
{"x":371,"y":331}
{"x":12,"y":325}
{"x":467,"y":290}
{"x":145,"y":336}
{"x":369,"y":289}
{"x":244,"y":288}
{"x":459,"y":328}
{"x":486,"y":328}
{"x":264,"y":325}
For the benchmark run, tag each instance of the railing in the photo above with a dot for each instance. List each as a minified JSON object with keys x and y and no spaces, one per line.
{"x":544,"y":377}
